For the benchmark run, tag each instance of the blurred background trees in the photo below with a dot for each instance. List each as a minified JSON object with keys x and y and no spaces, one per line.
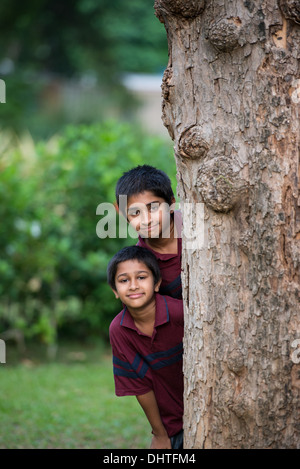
{"x":64,"y":143}
{"x":54,"y":53}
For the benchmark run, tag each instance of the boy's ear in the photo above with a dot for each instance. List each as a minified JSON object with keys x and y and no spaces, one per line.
{"x":116,"y":206}
{"x":122,"y":208}
{"x":173,"y":202}
{"x":157,"y":285}
{"x":116,"y":293}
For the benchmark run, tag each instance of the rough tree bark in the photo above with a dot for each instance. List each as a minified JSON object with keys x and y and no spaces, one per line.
{"x":231,"y":94}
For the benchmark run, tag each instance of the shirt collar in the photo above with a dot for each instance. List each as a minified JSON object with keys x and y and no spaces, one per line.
{"x":160,"y":255}
{"x":161,"y":314}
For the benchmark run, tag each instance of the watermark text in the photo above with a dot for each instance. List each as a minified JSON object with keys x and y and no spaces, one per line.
{"x":295,"y":357}
{"x":2,"y":92}
{"x":155,"y":220}
{"x":2,"y":351}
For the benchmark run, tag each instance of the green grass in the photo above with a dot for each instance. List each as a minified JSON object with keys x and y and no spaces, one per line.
{"x":69,"y":403}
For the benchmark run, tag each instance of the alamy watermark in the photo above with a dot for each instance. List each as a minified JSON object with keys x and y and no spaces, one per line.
{"x":152,"y":220}
{"x":2,"y":92}
{"x":2,"y":351}
{"x":295,"y":357}
{"x":296,"y":93}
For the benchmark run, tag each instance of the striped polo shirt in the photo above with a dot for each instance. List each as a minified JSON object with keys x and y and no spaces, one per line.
{"x":169,"y":264}
{"x":142,"y":363}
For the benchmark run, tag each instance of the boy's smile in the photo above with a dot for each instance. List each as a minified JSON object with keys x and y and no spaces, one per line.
{"x":135,"y":284}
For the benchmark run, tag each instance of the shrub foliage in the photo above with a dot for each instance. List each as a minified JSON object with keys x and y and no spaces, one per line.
{"x":52,"y":263}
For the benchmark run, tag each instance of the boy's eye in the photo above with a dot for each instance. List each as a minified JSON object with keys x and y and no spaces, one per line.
{"x":133,"y":213}
{"x":154,"y":207}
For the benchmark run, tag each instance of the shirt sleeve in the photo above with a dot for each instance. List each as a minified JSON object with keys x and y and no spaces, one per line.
{"x":132,"y":375}
{"x":176,"y":311}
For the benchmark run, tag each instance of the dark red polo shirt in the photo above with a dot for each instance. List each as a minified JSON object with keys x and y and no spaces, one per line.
{"x":169,"y":264}
{"x":142,"y":363}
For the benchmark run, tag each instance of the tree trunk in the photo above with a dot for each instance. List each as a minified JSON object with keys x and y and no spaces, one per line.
{"x":231,"y":94}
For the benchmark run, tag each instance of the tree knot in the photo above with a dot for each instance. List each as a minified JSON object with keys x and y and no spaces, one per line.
{"x":185,"y":8}
{"x":192,"y":144}
{"x":224,"y":34}
{"x":219,"y":185}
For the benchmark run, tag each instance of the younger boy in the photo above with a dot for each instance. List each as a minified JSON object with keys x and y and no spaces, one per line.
{"x":149,"y":198}
{"x":146,"y":339}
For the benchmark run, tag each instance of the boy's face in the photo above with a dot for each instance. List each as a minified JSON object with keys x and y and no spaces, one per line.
{"x":135,"y":284}
{"x":149,"y":215}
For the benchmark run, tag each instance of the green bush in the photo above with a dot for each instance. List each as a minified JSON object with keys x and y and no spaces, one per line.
{"x":52,"y":263}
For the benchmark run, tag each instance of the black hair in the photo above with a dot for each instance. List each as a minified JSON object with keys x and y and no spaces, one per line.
{"x":145,"y":178}
{"x":130,"y":253}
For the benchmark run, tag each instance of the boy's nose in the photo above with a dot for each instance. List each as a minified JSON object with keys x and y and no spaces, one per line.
{"x":133,"y":284}
{"x":145,"y":218}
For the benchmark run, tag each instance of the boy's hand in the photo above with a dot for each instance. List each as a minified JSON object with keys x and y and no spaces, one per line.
{"x":160,"y":442}
{"x":160,"y":439}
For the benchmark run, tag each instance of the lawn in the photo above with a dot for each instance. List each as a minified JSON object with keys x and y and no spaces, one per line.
{"x":67,"y":403}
